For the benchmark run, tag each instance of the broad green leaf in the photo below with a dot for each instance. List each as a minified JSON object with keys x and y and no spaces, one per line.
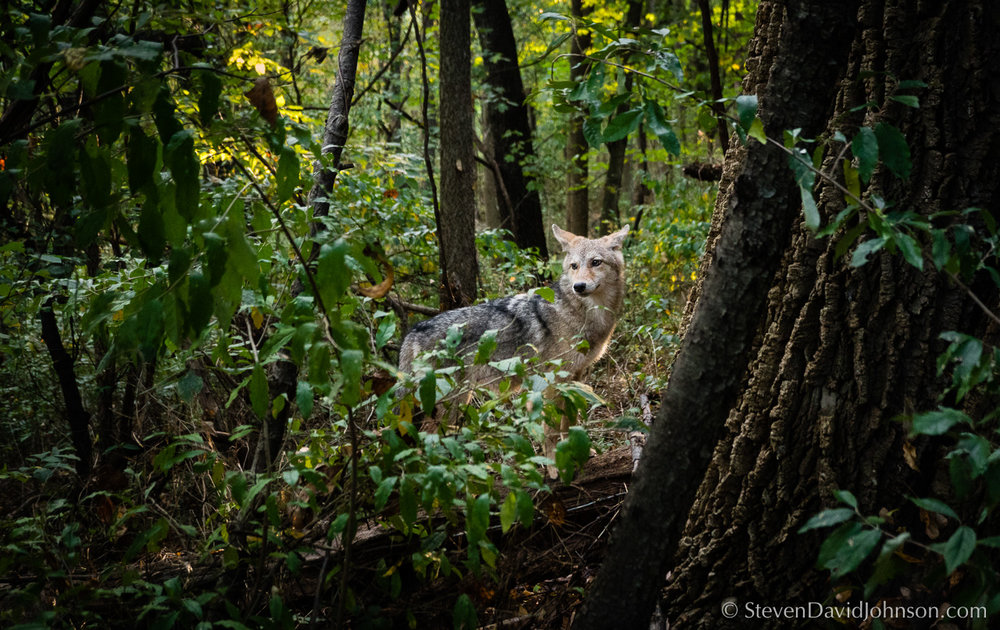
{"x":151,"y":230}
{"x":304,"y":398}
{"x":332,"y":273}
{"x":428,"y":393}
{"x":846,"y":496}
{"x":746,"y":109}
{"x":216,"y":253}
{"x":756,"y":131}
{"x":592,"y":131}
{"x":910,"y":249}
{"x":894,"y":150}
{"x":958,"y":548}
{"x":508,"y":512}
{"x":865,"y":149}
{"x":934,"y":505}
{"x":287,"y":174}
{"x":350,"y":367}
{"x":383,"y":491}
{"x":140,"y":153}
{"x":386,"y":331}
{"x":208,"y":100}
{"x":259,"y":397}
{"x":477,"y":518}
{"x":189,"y":385}
{"x":319,"y":364}
{"x":845,"y":549}
{"x":827,"y":518}
{"x":866,"y":249}
{"x":906,"y":99}
{"x":464,"y":614}
{"x":291,"y":476}
{"x":809,"y":209}
{"x":408,"y":503}
{"x":937,"y":422}
{"x":852,"y":182}
{"x":656,"y":120}
{"x":183,"y":163}
{"x":622,"y":125}
{"x":486,"y":346}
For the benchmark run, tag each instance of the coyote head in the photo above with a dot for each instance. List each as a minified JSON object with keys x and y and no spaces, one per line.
{"x":592,"y":266}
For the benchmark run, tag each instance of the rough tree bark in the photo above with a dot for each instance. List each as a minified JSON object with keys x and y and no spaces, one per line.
{"x":457,"y":228}
{"x":510,"y":129}
{"x":761,"y":208}
{"x":842,"y":351}
{"x":577,"y":195}
{"x":836,"y":351}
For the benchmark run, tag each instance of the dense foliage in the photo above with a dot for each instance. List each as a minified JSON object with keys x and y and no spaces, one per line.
{"x":154,"y":176}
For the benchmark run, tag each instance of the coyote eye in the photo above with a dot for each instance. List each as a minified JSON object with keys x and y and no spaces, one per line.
{"x":596,"y":262}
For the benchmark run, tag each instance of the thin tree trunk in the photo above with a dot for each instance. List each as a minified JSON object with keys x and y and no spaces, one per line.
{"x":457,"y":228}
{"x":578,"y":193}
{"x":713,"y":72}
{"x":284,"y":377}
{"x":610,"y":215}
{"x":77,"y":417}
{"x":507,"y":119}
{"x":761,"y":206}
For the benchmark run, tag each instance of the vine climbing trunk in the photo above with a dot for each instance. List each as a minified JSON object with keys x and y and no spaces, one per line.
{"x":795,"y":363}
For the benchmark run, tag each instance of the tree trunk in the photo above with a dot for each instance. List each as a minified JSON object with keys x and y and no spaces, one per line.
{"x":283,"y":377}
{"x":836,"y":351}
{"x":507,"y":119}
{"x":760,"y":202}
{"x":842,"y":350}
{"x":577,"y":195}
{"x":712,"y":57}
{"x":457,"y":228}
{"x":610,"y":216}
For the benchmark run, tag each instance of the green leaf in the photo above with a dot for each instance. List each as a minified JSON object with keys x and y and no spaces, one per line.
{"x":756,"y":131}
{"x":180,"y":157}
{"x":592,"y":131}
{"x":525,"y":508}
{"x":464,"y":614}
{"x":746,"y":110}
{"x":332,"y":273}
{"x":846,"y":496}
{"x":386,"y":331}
{"x":383,"y":491}
{"x":485,"y":348}
{"x":291,"y":476}
{"x":809,"y":209}
{"x":477,"y":519}
{"x":546,"y":293}
{"x":910,"y":250}
{"x":152,"y":238}
{"x":428,"y":393}
{"x":865,"y":149}
{"x":140,"y":158}
{"x":894,"y":150}
{"x":934,"y":505}
{"x":408,"y":503}
{"x":845,"y":549}
{"x":865,"y":249}
{"x":189,"y":385}
{"x":208,"y":100}
{"x":937,"y":422}
{"x":906,"y":99}
{"x":657,"y":122}
{"x":350,"y":367}
{"x":288,"y":173}
{"x":827,"y":518}
{"x":259,"y":397}
{"x":508,"y":512}
{"x":622,"y":125}
{"x":958,"y":549}
{"x":304,"y":398}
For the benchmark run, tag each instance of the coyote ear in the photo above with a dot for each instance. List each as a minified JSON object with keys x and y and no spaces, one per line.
{"x":617,"y":238}
{"x":564,"y":237}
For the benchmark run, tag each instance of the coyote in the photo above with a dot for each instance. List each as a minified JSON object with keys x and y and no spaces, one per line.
{"x":588,"y":298}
